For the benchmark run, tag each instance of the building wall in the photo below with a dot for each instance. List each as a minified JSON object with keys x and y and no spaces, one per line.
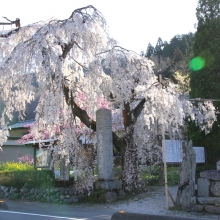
{"x":12,"y":153}
{"x":19,"y":132}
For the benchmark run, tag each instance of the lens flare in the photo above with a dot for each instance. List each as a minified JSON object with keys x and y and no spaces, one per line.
{"x":197,"y":63}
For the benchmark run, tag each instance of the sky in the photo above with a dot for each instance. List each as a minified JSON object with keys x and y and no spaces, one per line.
{"x":133,"y":23}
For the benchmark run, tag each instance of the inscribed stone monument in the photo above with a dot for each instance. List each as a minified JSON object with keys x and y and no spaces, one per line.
{"x":104,"y":145}
{"x":186,"y":186}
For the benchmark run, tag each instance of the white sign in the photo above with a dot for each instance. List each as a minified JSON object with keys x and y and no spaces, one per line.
{"x":200,"y":154}
{"x":174,"y":152}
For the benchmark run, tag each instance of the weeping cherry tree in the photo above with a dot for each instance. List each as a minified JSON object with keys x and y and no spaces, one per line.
{"x":77,"y":56}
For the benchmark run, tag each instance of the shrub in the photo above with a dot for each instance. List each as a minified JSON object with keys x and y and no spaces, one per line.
{"x":15,"y":166}
{"x":32,"y":178}
{"x":17,"y":174}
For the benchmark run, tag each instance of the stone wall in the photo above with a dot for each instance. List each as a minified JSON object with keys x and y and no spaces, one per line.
{"x":55,"y":195}
{"x":208,"y":190}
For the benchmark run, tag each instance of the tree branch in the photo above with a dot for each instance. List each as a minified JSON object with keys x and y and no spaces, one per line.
{"x":9,"y":33}
{"x":119,"y":143}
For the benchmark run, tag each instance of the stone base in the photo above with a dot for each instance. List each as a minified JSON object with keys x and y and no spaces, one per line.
{"x":108,"y":185}
{"x":209,"y":200}
{"x":211,"y":174}
{"x":110,"y":197}
{"x":212,"y":209}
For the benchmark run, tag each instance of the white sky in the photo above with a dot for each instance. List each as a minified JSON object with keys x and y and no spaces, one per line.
{"x":133,"y":23}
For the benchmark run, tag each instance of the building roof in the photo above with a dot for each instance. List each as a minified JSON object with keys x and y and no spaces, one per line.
{"x":22,"y":124}
{"x":40,"y":141}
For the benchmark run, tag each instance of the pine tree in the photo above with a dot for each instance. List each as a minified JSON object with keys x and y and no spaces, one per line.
{"x":205,"y":80}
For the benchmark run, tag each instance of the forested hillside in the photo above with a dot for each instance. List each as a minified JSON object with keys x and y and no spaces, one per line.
{"x":193,"y":61}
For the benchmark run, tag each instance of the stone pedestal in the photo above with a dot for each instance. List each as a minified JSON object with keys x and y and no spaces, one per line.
{"x":104,"y":145}
{"x":203,"y":187}
{"x":215,"y":188}
{"x":210,"y":174}
{"x":108,"y":185}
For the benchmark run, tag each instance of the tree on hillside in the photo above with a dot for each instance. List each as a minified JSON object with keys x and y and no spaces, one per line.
{"x":207,"y":10}
{"x":149,"y":51}
{"x":69,"y":57}
{"x":205,"y":79}
{"x":170,"y":58}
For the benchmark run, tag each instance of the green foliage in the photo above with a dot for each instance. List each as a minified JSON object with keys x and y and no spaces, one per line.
{"x":17,"y":174}
{"x":205,"y":83}
{"x":94,"y":197}
{"x":14,"y":166}
{"x":207,"y":10}
{"x":149,"y":51}
{"x":152,"y":176}
{"x":171,"y":57}
{"x":182,"y":42}
{"x":172,"y":175}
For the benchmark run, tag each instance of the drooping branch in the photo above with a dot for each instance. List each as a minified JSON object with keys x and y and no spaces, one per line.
{"x":67,"y":47}
{"x":119,"y":143}
{"x":9,"y":33}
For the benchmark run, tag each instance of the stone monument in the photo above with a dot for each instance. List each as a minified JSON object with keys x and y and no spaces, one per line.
{"x":186,"y":187}
{"x":105,"y":150}
{"x":64,"y":167}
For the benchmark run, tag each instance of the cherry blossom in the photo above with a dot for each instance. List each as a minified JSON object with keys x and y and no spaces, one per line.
{"x":74,"y":63}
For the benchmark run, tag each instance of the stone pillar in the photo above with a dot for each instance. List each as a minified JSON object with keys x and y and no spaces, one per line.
{"x":203,"y":187}
{"x":104,"y":145}
{"x":64,"y":167}
{"x":105,"y":151}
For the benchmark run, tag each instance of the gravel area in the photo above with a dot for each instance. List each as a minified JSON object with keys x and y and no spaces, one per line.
{"x":154,"y":202}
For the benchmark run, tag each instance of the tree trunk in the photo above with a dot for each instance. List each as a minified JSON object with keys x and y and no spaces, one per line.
{"x":130,"y":171}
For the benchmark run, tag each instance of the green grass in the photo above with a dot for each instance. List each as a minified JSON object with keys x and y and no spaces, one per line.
{"x":152,"y":176}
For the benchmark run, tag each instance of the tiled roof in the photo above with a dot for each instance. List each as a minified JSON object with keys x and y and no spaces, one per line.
{"x":22,"y":124}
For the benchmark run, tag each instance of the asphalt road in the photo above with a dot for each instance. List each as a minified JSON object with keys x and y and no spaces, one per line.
{"x":45,"y":211}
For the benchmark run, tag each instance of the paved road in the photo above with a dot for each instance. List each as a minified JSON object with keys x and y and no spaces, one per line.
{"x":43,"y":211}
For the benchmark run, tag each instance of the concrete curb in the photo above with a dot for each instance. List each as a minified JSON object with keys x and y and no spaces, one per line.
{"x":3,"y":205}
{"x":136,"y":216}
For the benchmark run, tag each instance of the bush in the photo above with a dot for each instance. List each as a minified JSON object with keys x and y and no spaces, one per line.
{"x":173,"y":175}
{"x":13,"y":166}
{"x":17,"y":174}
{"x":32,"y":178}
{"x":94,"y":197}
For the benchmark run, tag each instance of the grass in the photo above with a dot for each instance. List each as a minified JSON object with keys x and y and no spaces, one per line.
{"x":151,"y":176}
